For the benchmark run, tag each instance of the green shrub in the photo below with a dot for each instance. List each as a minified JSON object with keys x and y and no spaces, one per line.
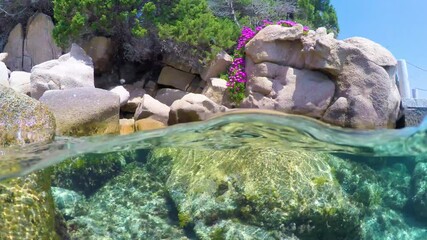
{"x":75,"y":18}
{"x":192,"y":22}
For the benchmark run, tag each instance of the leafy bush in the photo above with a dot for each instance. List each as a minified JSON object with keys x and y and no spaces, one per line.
{"x":191,"y":22}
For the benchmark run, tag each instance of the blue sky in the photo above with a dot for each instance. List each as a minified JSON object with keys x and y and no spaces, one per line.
{"x":398,"y":25}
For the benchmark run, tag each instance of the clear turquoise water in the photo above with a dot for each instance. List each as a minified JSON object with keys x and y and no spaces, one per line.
{"x":240,"y":176}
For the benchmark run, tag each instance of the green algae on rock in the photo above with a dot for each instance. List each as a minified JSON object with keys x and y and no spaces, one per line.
{"x":23,"y":119}
{"x":283,"y":192}
{"x":26,"y":208}
{"x":87,"y":173}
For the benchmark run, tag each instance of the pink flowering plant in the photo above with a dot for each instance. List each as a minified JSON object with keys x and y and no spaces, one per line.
{"x":236,"y":76}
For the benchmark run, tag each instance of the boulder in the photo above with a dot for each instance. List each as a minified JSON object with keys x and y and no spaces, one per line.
{"x":259,"y":190}
{"x":84,"y":111}
{"x":148,"y":124}
{"x":168,"y":95}
{"x":39,"y":45}
{"x":365,"y":95}
{"x":216,"y":90}
{"x":14,"y":48}
{"x":123,"y":93}
{"x":150,"y":107}
{"x":276,"y":44}
{"x":292,"y":91}
{"x":127,"y":126}
{"x":20,"y":82}
{"x":135,"y":97}
{"x":101,"y":50}
{"x":71,"y":70}
{"x":373,"y":51}
{"x":193,"y":107}
{"x":219,"y":65}
{"x":4,"y":75}
{"x":23,"y":119}
{"x":175,"y":78}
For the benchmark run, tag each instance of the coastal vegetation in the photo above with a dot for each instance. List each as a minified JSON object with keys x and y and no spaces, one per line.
{"x":204,"y":26}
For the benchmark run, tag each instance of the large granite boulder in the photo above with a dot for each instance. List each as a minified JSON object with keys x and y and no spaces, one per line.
{"x":193,"y":107}
{"x":39,"y":45}
{"x":71,"y":70}
{"x":14,"y":48}
{"x":84,"y":111}
{"x":364,"y":96}
{"x":23,"y":119}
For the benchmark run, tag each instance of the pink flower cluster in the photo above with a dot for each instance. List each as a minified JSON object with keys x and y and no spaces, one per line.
{"x":236,"y":72}
{"x":247,"y":34}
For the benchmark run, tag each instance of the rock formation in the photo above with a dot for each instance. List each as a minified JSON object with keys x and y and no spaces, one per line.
{"x":349,"y":83}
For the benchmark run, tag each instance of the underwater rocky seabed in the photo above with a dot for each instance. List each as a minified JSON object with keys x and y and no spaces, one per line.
{"x":240,"y":176}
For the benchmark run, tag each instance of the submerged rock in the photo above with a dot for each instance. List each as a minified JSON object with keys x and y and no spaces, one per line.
{"x":285,"y":193}
{"x":133,"y":205}
{"x":27,"y":208}
{"x":67,"y":201}
{"x":419,"y":189}
{"x":87,"y":173}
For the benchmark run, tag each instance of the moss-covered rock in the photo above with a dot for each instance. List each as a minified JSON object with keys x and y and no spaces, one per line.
{"x":283,"y":192}
{"x":87,"y":173}
{"x":375,"y":181}
{"x":26,"y":208}
{"x":23,"y":119}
